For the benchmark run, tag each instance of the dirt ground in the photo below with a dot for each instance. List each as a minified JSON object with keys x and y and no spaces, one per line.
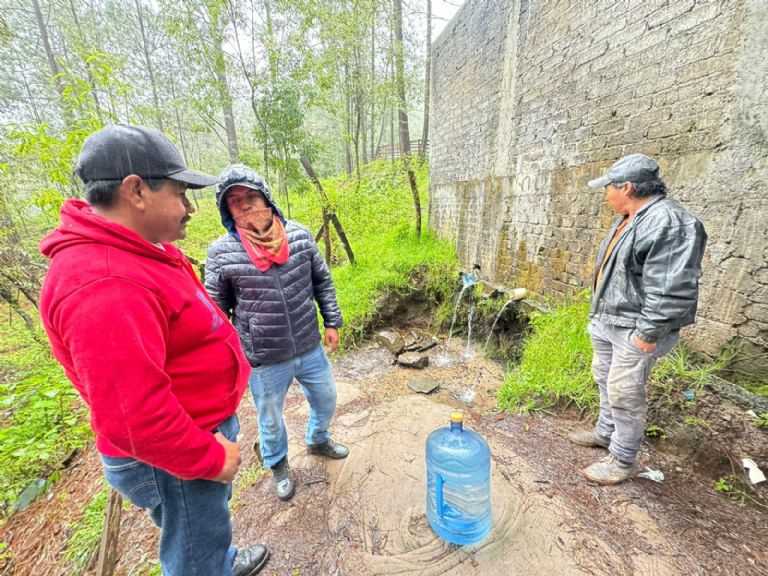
{"x":365,"y":514}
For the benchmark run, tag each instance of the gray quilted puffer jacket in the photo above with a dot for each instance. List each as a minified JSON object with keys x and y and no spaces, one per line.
{"x":274,"y":311}
{"x":651,"y":280}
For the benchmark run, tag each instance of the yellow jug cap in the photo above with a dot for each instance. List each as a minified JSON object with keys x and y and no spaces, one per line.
{"x":457,"y":417}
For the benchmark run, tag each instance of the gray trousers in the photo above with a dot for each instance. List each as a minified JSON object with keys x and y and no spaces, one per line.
{"x":621,"y":371}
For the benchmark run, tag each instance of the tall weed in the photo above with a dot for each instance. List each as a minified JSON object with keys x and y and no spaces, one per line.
{"x":555,"y":364}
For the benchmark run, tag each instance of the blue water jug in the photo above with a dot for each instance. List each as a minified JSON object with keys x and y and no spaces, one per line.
{"x":458,"y":483}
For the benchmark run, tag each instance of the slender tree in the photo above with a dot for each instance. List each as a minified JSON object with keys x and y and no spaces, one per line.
{"x":402,"y":112}
{"x":150,"y":68}
{"x":427,"y":74}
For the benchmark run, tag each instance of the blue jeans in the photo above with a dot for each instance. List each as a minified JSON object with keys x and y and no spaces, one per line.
{"x":193,"y":515}
{"x":269,"y":384}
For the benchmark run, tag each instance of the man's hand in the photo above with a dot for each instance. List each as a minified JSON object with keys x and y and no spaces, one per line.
{"x":231,"y":459}
{"x":331,"y":340}
{"x":646,"y":347}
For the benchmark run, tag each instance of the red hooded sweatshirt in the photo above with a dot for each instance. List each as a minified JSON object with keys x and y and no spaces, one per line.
{"x":154,"y":358}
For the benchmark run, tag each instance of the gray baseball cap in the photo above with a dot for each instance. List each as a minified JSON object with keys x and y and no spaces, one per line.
{"x":632,"y":168}
{"x":116,"y":151}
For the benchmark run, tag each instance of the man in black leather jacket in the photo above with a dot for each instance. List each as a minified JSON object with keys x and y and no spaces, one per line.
{"x":645,"y":290}
{"x":267,"y":273}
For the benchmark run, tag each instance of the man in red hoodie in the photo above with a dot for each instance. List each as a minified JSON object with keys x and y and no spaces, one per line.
{"x":158,"y":364}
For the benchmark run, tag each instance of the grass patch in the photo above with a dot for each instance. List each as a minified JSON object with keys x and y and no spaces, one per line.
{"x":246,"y":477}
{"x":84,"y":541}
{"x":759,"y":388}
{"x":681,"y":365}
{"x":555,"y":367}
{"x":42,"y":420}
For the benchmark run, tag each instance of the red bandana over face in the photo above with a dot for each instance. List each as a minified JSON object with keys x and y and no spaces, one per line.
{"x":262,"y":235}
{"x":263,"y":248}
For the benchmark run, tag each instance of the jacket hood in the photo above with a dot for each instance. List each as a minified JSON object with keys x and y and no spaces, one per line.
{"x":81,"y":225}
{"x":240,"y":174}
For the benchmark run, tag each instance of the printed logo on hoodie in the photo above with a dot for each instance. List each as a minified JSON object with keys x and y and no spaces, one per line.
{"x":215,"y":318}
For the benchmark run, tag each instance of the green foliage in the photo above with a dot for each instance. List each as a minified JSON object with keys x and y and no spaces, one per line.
{"x":681,"y":367}
{"x":759,"y":388}
{"x":695,"y":422}
{"x":555,"y":364}
{"x":151,"y":568}
{"x":4,"y":552}
{"x":654,"y":431}
{"x":376,"y":214}
{"x":246,"y":477}
{"x":723,"y":485}
{"x":762,"y":420}
{"x":41,"y":418}
{"x":84,"y":541}
{"x":738,"y":490}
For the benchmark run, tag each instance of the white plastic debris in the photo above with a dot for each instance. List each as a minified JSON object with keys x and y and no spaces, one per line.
{"x":755,"y":474}
{"x":655,"y":475}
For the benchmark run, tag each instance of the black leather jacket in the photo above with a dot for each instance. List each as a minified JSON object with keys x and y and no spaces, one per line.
{"x":651,"y":279}
{"x":274,"y":311}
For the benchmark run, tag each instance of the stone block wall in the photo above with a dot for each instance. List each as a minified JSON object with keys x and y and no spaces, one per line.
{"x":532,"y":98}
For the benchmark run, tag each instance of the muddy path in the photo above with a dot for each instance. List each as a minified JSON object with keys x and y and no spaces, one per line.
{"x":365,"y":514}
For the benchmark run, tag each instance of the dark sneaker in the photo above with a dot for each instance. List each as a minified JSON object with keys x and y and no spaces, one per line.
{"x":329,"y":449}
{"x":610,"y":470}
{"x":283,"y":479}
{"x":588,"y":438}
{"x":250,"y":560}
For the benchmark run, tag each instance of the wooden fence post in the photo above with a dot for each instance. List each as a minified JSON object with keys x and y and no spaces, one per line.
{"x":328,"y":215}
{"x":105,"y":565}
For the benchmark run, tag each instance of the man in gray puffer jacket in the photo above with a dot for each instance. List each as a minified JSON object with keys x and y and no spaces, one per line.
{"x":646,"y":288}
{"x":266,"y":273}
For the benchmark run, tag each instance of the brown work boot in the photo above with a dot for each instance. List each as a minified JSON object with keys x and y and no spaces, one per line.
{"x":609,"y":470}
{"x":588,"y":438}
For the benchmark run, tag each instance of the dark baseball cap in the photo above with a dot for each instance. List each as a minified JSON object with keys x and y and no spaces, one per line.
{"x":116,"y":151}
{"x":632,"y":168}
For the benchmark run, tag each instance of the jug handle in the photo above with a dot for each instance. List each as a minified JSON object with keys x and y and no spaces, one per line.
{"x":439,"y":495}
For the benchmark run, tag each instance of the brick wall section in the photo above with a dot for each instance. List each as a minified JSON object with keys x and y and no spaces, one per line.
{"x":533,"y":98}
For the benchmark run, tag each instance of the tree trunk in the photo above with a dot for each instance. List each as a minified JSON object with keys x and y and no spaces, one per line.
{"x":392,"y":134}
{"x":392,"y":109}
{"x":402,"y":108}
{"x":91,"y":81}
{"x":373,"y":79}
{"x":346,"y":138}
{"x":282,"y":178}
{"x":327,"y":235}
{"x":13,"y":303}
{"x":229,"y":115}
{"x":52,"y":62}
{"x":30,"y":97}
{"x":150,"y":68}
{"x":222,"y":85}
{"x":178,"y":121}
{"x":251,"y":84}
{"x":405,"y":140}
{"x":427,"y":74}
